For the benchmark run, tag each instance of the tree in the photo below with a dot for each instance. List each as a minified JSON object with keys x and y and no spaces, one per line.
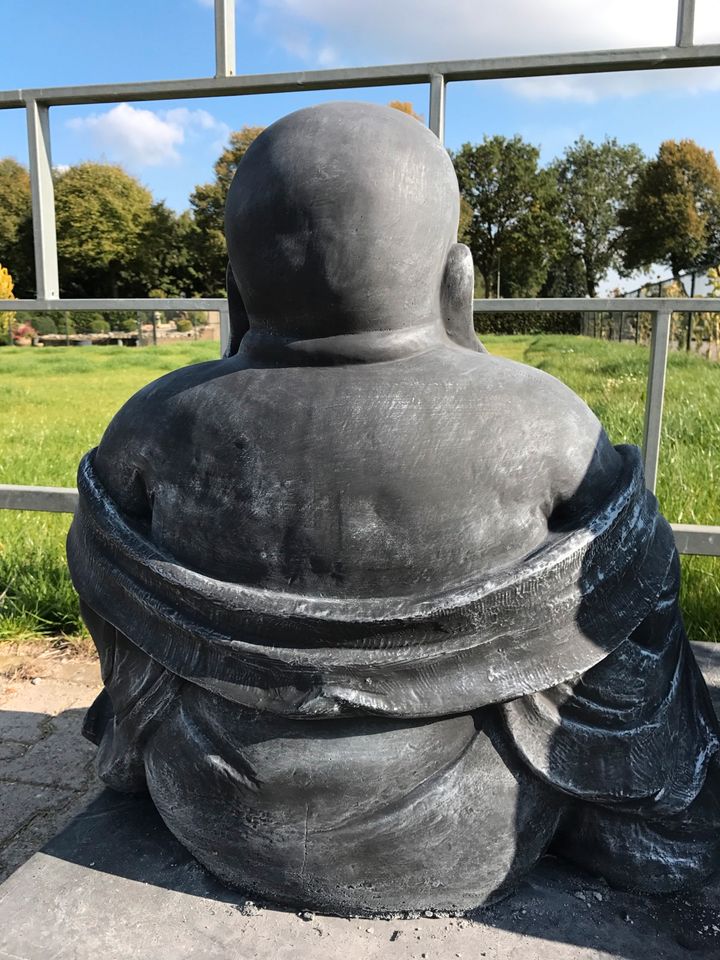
{"x":16,"y":223}
{"x":101,"y":213}
{"x":404,"y":106}
{"x":208,"y":208}
{"x":6,"y":293}
{"x":514,"y":234}
{"x":594,"y":181}
{"x":165,"y":254}
{"x":673,"y":216}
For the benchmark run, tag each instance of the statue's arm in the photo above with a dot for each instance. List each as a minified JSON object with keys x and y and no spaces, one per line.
{"x":586,"y":468}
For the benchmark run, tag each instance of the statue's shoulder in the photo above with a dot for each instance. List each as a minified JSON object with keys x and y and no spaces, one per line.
{"x":141,"y":438}
{"x":545,"y":422}
{"x":527,"y":389}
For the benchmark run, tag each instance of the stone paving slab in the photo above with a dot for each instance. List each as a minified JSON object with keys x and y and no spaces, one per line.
{"x":21,"y":802}
{"x":115,"y":884}
{"x":46,"y":766}
{"x":62,"y":758}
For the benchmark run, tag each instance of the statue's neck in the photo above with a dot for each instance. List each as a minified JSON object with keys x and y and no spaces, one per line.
{"x":260,"y":348}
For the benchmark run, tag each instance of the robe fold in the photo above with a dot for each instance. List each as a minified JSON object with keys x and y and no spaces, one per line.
{"x":554,"y":699}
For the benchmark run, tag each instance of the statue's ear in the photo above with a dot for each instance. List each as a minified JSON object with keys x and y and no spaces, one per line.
{"x":239,"y":322}
{"x":456,"y":298}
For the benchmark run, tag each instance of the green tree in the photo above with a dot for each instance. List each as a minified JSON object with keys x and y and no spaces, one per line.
{"x":7,"y":318}
{"x":594,"y":181}
{"x":101,"y":213}
{"x":673,"y":216}
{"x":405,"y":106}
{"x":207,"y":243}
{"x":514,"y":234}
{"x":164,"y":257}
{"x":16,"y":223}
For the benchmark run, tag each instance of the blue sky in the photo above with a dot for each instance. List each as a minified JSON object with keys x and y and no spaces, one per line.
{"x":171,"y":146}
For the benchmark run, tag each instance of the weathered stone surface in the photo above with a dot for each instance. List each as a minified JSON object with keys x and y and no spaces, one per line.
{"x":116,"y":884}
{"x":62,"y":758}
{"x":63,"y":807}
{"x":22,"y":726}
{"x":46,"y":769}
{"x":21,"y":802}
{"x":10,"y":750}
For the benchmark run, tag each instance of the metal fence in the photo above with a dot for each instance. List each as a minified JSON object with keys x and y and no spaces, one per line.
{"x":38,"y":102}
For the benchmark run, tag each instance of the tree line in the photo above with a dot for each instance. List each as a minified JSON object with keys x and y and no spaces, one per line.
{"x":554,"y":231}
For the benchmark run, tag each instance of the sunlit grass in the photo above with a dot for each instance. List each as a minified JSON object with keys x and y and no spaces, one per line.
{"x":55,"y":404}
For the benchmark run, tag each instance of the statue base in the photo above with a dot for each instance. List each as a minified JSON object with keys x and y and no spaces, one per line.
{"x":116,"y":884}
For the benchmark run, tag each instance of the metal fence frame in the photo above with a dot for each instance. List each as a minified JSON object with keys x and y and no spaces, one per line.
{"x":37,"y":103}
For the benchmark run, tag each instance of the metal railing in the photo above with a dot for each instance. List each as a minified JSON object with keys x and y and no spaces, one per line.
{"x":437,"y":74}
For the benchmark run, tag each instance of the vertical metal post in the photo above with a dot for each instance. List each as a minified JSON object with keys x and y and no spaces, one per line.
{"x":43,"y":201}
{"x":437,"y":106}
{"x":685,"y":23}
{"x":224,"y":329}
{"x":655,"y":395}
{"x":224,"y":38}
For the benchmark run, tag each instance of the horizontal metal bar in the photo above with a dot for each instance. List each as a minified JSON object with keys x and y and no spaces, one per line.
{"x":491,"y":68}
{"x":48,"y":499}
{"x":599,"y":305}
{"x":690,"y":538}
{"x":696,"y":539}
{"x":515,"y":305}
{"x":132,"y":303}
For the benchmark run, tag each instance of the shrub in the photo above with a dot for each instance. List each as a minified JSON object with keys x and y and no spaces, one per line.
{"x":120,"y":320}
{"x":99,"y":326}
{"x":23,"y":331}
{"x":126,"y":325}
{"x":183,"y":325}
{"x":83,"y":322}
{"x":509,"y":324}
{"x":44,"y":324}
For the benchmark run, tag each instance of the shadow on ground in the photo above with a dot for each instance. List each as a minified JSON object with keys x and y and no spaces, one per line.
{"x":115,"y":872}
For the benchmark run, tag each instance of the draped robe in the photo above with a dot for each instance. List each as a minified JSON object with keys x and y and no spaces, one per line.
{"x":411,"y":718}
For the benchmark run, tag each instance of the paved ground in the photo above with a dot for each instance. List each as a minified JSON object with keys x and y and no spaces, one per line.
{"x":46,"y":767}
{"x":114,"y":883}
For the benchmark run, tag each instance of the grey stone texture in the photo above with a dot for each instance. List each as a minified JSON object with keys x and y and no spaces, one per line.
{"x":46,"y":768}
{"x":116,"y":884}
{"x":383,"y":618}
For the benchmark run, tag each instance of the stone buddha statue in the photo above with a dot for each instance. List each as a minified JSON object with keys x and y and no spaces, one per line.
{"x":383,"y":618}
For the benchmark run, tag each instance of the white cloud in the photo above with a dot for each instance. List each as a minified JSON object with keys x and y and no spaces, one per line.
{"x":144,"y":138}
{"x":385,"y":31}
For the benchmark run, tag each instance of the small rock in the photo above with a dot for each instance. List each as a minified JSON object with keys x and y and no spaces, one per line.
{"x":368,"y":929}
{"x":579,"y":894}
{"x":306,"y":915}
{"x":597,"y":895}
{"x":36,"y":680}
{"x":395,"y":935}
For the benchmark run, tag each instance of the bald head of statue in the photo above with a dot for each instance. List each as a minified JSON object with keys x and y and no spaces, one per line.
{"x":342,"y":219}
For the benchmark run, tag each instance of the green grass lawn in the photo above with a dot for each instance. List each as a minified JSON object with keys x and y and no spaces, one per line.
{"x":55,"y":403}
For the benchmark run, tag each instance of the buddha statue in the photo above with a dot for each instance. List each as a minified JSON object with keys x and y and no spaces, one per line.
{"x":383,"y":618}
